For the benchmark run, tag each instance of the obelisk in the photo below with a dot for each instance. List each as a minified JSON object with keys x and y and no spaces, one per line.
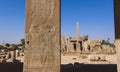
{"x":77,"y":30}
{"x":42,"y":36}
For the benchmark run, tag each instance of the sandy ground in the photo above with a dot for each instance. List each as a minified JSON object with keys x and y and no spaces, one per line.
{"x":110,"y":59}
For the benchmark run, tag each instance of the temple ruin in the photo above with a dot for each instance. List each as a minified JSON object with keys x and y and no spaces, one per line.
{"x":82,"y":45}
{"x":42,"y":29}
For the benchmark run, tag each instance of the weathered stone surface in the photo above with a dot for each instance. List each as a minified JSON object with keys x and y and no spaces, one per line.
{"x":117,"y":44}
{"x":42,"y":36}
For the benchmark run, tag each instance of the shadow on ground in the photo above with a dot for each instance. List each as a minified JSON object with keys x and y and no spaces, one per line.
{"x":77,"y":67}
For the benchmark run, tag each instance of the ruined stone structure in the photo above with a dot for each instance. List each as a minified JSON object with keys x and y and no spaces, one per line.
{"x":63,"y":44}
{"x":42,"y":35}
{"x":82,"y":45}
{"x":92,"y":45}
{"x":76,"y":45}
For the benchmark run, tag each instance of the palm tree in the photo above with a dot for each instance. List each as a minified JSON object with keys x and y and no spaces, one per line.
{"x":22,"y":41}
{"x":14,"y":46}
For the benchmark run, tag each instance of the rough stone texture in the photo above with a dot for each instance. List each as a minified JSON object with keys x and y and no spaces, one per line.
{"x":83,"y":46}
{"x":117,"y":43}
{"x":63,"y":45}
{"x":42,"y":35}
{"x":12,"y":56}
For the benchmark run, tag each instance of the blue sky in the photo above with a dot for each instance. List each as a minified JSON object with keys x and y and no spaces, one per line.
{"x":95,"y":16}
{"x":12,"y":20}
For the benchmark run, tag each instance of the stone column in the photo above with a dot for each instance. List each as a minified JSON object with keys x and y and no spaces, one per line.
{"x":12,"y":56}
{"x":117,"y":30}
{"x":78,"y":46}
{"x":42,"y":36}
{"x":16,"y":53}
{"x":117,"y":44}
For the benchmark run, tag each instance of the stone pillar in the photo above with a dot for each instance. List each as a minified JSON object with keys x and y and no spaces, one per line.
{"x":117,"y":30}
{"x":117,"y":44}
{"x":12,"y":56}
{"x":8,"y":56}
{"x":78,"y":46}
{"x":16,"y":53}
{"x":42,"y":36}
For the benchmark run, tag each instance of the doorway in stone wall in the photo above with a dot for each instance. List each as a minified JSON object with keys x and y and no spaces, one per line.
{"x":88,"y":26}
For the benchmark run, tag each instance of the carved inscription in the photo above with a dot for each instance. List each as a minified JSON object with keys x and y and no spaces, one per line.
{"x":42,"y":14}
{"x":42,"y":52}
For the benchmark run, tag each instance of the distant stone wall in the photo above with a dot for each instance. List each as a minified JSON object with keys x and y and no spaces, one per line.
{"x":83,"y":46}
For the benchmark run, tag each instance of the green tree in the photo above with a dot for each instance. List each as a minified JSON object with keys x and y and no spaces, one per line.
{"x":103,"y":42}
{"x":107,"y":42}
{"x":22,"y":41}
{"x":14,"y":46}
{"x":7,"y":45}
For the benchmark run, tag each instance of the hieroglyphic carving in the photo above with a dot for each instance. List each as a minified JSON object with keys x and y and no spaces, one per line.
{"x":42,"y":37}
{"x":42,"y":13}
